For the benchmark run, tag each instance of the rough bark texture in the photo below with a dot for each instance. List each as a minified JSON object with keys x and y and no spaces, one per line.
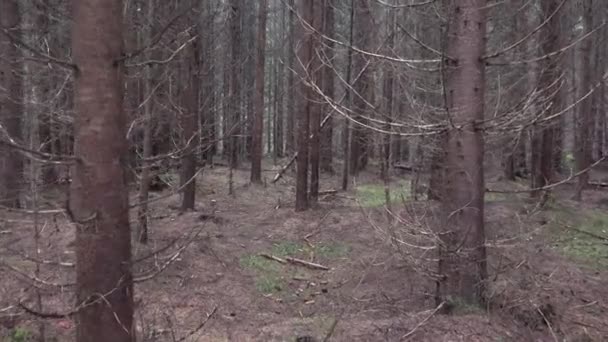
{"x":190,"y":119}
{"x":234,"y":124}
{"x":258,"y":119}
{"x":305,"y":55}
{"x":585,"y":117}
{"x":290,"y":140}
{"x":544,"y":136}
{"x":144,"y":185}
{"x":208,"y":120}
{"x":462,"y":254}
{"x":11,"y":106}
{"x":98,"y":197}
{"x":359,"y":142}
{"x":315,"y":106}
{"x":326,"y":153}
{"x":346,"y":129}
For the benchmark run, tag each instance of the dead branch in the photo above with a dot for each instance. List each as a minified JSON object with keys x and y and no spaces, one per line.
{"x":305,"y":263}
{"x":272,"y":257}
{"x":47,"y":315}
{"x":295,"y":155}
{"x":593,"y":235}
{"x":200,"y":326}
{"x":149,"y":275}
{"x":411,"y":332}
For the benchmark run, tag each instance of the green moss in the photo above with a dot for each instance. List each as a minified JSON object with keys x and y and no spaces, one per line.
{"x":331,"y":250}
{"x":372,"y":195}
{"x":19,"y":335}
{"x":267,"y":273}
{"x":270,"y":276}
{"x":573,"y":242}
{"x":286,"y":248}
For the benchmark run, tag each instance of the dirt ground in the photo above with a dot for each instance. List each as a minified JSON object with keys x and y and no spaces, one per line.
{"x":209,"y":282}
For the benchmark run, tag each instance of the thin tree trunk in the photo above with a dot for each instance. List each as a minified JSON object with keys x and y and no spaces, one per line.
{"x":144,"y":185}
{"x":346,"y":128}
{"x":279,"y":112}
{"x":208,"y":117}
{"x":462,"y":254}
{"x":11,"y":106}
{"x":234,"y":122}
{"x":544,"y":137}
{"x":388,"y":90}
{"x":258,"y":120}
{"x":98,"y":194}
{"x":290,"y":143}
{"x":585,"y":117}
{"x":328,"y":88}
{"x":190,"y":121}
{"x":360,"y":141}
{"x":315,"y":106}
{"x":305,"y":55}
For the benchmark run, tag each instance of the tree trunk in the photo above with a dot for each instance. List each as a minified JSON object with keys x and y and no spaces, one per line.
{"x":258,"y":119}
{"x":290,"y":143}
{"x":190,"y":119}
{"x":346,"y":136}
{"x":360,"y":141}
{"x":314,"y":103}
{"x":99,"y":197}
{"x":234,"y":121}
{"x":305,"y":52}
{"x":326,"y":153}
{"x":585,"y":115}
{"x":208,"y":117}
{"x":144,"y":183}
{"x":462,"y":254}
{"x":11,"y":105}
{"x":544,"y":137}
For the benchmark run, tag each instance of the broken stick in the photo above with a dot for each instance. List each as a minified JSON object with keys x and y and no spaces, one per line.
{"x":295,"y":155}
{"x":272,"y":257}
{"x":307,"y":264}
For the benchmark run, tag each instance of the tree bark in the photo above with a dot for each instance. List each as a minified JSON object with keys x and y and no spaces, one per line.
{"x":98,"y":197}
{"x":462,"y":254}
{"x":190,"y":119}
{"x":305,"y":55}
{"x":346,"y":129}
{"x":544,"y":137}
{"x":326,"y":153}
{"x":314,"y":103}
{"x":11,"y":105}
{"x":290,"y":143}
{"x":208,"y":116}
{"x":234,"y":121}
{"x":585,"y":115}
{"x":258,"y":119}
{"x":360,"y":141}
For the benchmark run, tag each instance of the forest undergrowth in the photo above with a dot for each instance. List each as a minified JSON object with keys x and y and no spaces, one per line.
{"x":247,"y":268}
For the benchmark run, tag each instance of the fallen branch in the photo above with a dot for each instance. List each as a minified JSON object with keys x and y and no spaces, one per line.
{"x":295,"y":155}
{"x":200,"y":326}
{"x":593,"y":235}
{"x":272,"y":257}
{"x":307,"y":264}
{"x":411,"y":332}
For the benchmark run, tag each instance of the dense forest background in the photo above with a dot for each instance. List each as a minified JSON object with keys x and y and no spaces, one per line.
{"x":400,"y":169}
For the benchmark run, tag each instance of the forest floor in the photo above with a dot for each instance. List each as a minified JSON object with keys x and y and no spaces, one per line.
{"x":548,"y":267}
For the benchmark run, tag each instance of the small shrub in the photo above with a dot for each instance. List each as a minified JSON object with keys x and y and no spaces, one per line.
{"x":20,"y":335}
